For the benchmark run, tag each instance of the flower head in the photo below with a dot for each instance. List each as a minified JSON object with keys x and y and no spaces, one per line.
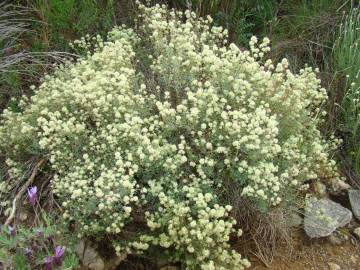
{"x":12,"y":231}
{"x":32,"y":194}
{"x":48,"y":263}
{"x":39,"y":233}
{"x":28,"y":252}
{"x":59,"y":253}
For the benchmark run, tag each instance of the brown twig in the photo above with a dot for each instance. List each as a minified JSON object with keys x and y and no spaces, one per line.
{"x":23,"y":190}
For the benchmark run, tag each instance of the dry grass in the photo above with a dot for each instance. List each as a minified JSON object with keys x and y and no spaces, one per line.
{"x":265,"y":233}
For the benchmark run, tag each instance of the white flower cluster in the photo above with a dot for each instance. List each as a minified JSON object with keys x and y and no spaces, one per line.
{"x":151,"y":125}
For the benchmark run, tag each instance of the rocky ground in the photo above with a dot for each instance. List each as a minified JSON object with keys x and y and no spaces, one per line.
{"x":317,"y":255}
{"x":326,"y":236}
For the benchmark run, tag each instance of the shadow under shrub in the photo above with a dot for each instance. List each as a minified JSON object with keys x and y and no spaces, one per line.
{"x":145,"y":134}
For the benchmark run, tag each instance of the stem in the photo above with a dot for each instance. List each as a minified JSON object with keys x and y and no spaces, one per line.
{"x":22,"y":191}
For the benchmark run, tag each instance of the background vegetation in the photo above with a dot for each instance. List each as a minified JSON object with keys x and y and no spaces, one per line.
{"x":35,"y":34}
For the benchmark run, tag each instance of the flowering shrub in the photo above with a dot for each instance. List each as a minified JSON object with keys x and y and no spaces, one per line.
{"x":143,"y":133}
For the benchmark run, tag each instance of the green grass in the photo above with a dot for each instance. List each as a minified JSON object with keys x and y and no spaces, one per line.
{"x":65,"y":20}
{"x":243,"y":18}
{"x":346,"y":56}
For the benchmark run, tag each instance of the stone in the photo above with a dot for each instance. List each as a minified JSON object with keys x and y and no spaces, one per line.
{"x":357,"y":232}
{"x":334,"y":266}
{"x":353,"y":259}
{"x":97,"y":265}
{"x":294,"y":220}
{"x":335,"y":240}
{"x":170,"y":268}
{"x":23,"y":216}
{"x":354,"y":197}
{"x":114,"y":262}
{"x":323,"y":217}
{"x":338,"y":238}
{"x":89,"y":256}
{"x":341,"y":185}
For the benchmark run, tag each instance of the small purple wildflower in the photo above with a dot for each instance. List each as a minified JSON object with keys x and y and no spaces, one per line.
{"x":32,"y":194}
{"x":12,"y":231}
{"x":28,"y":252}
{"x":59,"y":253}
{"x":48,"y":263}
{"x":39,"y":233}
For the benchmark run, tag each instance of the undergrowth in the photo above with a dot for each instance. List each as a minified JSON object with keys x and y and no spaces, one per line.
{"x":302,"y":31}
{"x":346,"y":55}
{"x":143,"y":135}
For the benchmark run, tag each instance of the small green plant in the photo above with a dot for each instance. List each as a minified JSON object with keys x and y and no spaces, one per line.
{"x":23,"y":248}
{"x":346,"y":58}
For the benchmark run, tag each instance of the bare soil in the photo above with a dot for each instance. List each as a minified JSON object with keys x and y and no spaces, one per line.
{"x":315,"y":255}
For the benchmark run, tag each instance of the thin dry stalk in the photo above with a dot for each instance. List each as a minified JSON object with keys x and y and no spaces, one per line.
{"x":14,"y":21}
{"x":23,"y":190}
{"x":264,"y":233}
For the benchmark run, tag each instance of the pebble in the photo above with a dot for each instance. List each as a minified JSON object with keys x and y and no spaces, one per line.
{"x":89,"y":256}
{"x":357,"y":232}
{"x":334,"y":266}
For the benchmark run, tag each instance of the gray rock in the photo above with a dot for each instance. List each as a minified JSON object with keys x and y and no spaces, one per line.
{"x":113,"y":263}
{"x":341,"y":185}
{"x":337,"y":238}
{"x":323,"y":217}
{"x":334,"y":266}
{"x":357,"y":232}
{"x":23,"y":216}
{"x":354,"y":197}
{"x":89,"y":256}
{"x":294,"y":220}
{"x":170,"y":268}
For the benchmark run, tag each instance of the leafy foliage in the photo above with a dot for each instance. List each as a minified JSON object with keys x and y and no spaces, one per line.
{"x":26,"y":248}
{"x":147,"y":130}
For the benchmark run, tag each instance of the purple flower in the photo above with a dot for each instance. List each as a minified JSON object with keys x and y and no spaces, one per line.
{"x":12,"y":231}
{"x":39,"y":233}
{"x":32,"y":194}
{"x":28,"y":252}
{"x":59,"y":253}
{"x":48,"y":263}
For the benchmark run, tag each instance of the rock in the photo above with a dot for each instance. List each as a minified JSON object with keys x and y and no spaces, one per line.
{"x":114,"y":262}
{"x":170,"y":268}
{"x":97,"y":265}
{"x":23,"y":216}
{"x":294,"y":220}
{"x":320,"y":188}
{"x":323,"y":217}
{"x":354,"y":197}
{"x":335,"y":240}
{"x":341,"y":185}
{"x":353,"y":259}
{"x":357,"y":232}
{"x":334,"y":266}
{"x":89,"y":256}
